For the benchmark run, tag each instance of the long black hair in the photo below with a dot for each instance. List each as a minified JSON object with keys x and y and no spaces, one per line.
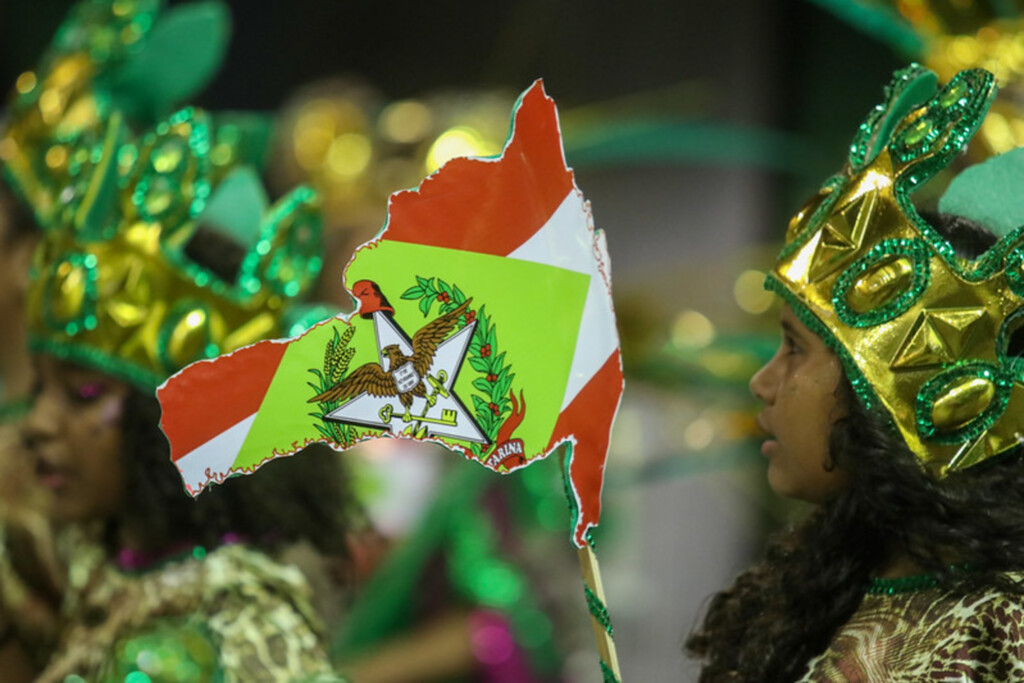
{"x":785,"y":609}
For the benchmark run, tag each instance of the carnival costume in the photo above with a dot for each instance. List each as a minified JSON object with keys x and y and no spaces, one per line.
{"x":114,"y":288}
{"x":926,"y":338}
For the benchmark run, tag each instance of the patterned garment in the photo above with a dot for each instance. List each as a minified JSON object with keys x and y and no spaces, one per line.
{"x":927,"y":635}
{"x":230,"y":615}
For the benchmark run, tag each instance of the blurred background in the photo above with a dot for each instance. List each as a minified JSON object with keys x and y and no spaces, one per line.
{"x":695,"y":129}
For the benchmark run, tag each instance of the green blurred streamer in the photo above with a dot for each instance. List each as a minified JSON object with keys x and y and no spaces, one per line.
{"x":617,"y":142}
{"x":880,"y":22}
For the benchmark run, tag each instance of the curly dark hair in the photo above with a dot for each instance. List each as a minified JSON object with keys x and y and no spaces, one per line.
{"x":303,"y":497}
{"x":785,"y":609}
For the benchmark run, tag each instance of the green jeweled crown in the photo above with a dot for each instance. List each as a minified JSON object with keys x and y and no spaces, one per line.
{"x":923,"y":334}
{"x":113,"y":282}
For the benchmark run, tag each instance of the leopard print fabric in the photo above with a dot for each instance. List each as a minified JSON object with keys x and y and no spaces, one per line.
{"x":234,"y":615}
{"x":927,"y":635}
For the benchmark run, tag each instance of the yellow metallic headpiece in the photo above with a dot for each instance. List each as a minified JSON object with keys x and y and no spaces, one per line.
{"x":114,"y":285}
{"x":922,"y":333}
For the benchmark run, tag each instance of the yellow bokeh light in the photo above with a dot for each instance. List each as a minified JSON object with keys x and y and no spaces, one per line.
{"x":26,"y":82}
{"x":8,"y":148}
{"x":964,"y":50}
{"x":56,"y":156}
{"x":50,"y":104}
{"x":195,"y":319}
{"x":461,"y":141}
{"x":692,"y":330}
{"x":405,"y":122}
{"x":349,"y":155}
{"x":314,"y":130}
{"x":699,"y":434}
{"x":750,"y":293}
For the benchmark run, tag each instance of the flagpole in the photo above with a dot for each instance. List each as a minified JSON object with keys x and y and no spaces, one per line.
{"x":593,"y":589}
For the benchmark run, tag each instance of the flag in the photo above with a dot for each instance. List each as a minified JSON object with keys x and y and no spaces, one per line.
{"x":484,"y":323}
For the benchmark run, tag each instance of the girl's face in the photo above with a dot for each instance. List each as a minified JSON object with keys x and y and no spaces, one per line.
{"x":73,"y":435}
{"x":798,"y":389}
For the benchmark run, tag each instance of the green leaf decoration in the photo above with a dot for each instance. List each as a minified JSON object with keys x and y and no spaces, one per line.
{"x":181,"y":55}
{"x":910,"y":87}
{"x":989,"y":193}
{"x":237,"y":206}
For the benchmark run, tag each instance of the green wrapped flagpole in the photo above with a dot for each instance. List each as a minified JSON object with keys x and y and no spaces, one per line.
{"x":593,"y":589}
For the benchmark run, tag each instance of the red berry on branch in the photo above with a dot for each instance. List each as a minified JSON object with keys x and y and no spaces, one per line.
{"x":494,"y":408}
{"x":492,"y":378}
{"x":470,"y":316}
{"x":485,"y":351}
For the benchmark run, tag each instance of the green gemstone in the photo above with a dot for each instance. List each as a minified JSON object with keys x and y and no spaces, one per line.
{"x":126,"y":156}
{"x":168,"y":157}
{"x":953,"y":94}
{"x":917,"y":132}
{"x":157,"y":201}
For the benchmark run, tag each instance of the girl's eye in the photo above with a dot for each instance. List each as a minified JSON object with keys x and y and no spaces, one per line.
{"x":791,"y":346}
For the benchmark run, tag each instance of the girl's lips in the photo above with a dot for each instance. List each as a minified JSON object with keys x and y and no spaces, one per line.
{"x":50,"y":476}
{"x":768,"y":447}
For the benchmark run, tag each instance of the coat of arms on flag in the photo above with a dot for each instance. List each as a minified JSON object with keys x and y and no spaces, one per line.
{"x":484,"y":323}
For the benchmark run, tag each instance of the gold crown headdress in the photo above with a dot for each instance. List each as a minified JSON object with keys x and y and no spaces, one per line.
{"x":113,"y":283}
{"x":922,"y":333}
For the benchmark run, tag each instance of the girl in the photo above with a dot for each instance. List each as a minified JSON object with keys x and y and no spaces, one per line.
{"x":893,"y":406}
{"x":168,"y":586}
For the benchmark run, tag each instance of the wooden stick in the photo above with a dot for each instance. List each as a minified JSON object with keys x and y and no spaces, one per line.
{"x":592,"y":579}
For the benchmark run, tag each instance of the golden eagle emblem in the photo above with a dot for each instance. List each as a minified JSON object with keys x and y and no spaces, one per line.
{"x":404,"y":376}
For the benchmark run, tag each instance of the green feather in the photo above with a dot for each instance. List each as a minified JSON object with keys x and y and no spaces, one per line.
{"x":989,"y":193}
{"x":237,"y":206}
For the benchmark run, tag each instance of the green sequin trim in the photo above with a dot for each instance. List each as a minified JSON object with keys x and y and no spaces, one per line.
{"x":907,"y":584}
{"x":85,"y":319}
{"x":607,"y":675}
{"x":1014,"y":269}
{"x":860,"y":384}
{"x":919,"y":254}
{"x":135,"y":375}
{"x":910,"y":584}
{"x":949,"y":121}
{"x":284,"y":258}
{"x":940,"y":383}
{"x":95,"y":27}
{"x":598,"y":610}
{"x":164,"y":181}
{"x":1010,"y":325}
